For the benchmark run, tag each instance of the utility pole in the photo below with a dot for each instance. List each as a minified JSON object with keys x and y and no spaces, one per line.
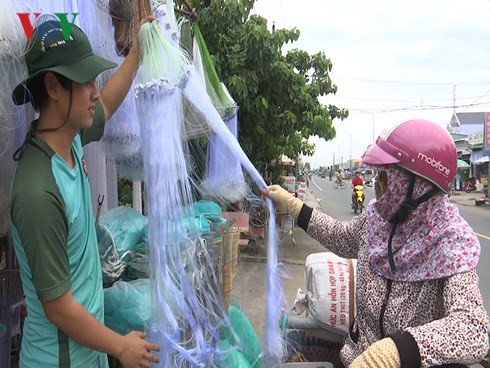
{"x":340,"y":162}
{"x":486,"y":148}
{"x":373,"y":127}
{"x":454,"y":99}
{"x":350,"y":151}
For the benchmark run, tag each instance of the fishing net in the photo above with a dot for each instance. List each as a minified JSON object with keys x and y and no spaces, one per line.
{"x":119,"y":231}
{"x":127,"y":306}
{"x":194,"y":92}
{"x":224,"y":178}
{"x":187,"y":250}
{"x":248,"y":343}
{"x":138,"y":266}
{"x":13,"y":119}
{"x":122,"y":141}
{"x":232,"y":357}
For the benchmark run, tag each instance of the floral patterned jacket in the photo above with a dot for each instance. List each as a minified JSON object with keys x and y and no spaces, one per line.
{"x":434,"y":323}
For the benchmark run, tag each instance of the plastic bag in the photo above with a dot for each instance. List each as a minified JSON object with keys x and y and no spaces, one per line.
{"x":244,"y":337}
{"x":232,"y":357}
{"x":128,"y":306}
{"x":330,"y":296}
{"x":209,"y":209}
{"x":119,"y":231}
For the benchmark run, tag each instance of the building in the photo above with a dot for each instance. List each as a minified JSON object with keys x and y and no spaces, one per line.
{"x":467,"y":130}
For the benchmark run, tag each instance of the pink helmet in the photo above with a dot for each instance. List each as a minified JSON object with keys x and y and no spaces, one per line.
{"x":419,"y":146}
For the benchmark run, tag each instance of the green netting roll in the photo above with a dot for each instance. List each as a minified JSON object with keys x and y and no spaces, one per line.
{"x":127,"y":306}
{"x":232,"y":357}
{"x":245,"y":338}
{"x":221,"y":99}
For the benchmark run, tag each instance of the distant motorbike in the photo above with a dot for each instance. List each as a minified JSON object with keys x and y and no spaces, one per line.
{"x":358,"y":204}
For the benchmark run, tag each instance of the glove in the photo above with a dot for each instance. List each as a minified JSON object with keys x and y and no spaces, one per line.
{"x":284,"y":201}
{"x":381,"y":354}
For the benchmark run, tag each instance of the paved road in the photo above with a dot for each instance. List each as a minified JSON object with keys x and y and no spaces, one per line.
{"x":336,"y":202}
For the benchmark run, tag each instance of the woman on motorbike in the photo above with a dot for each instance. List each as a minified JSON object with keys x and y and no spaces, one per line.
{"x":357,"y":180}
{"x":418,"y":303}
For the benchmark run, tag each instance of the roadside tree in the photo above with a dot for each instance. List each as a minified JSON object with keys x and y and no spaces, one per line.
{"x":277,"y":92}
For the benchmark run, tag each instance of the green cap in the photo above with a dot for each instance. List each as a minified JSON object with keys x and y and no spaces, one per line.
{"x":48,"y":50}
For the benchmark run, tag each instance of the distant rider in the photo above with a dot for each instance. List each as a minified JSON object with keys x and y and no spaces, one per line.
{"x":357,"y":180}
{"x":339,"y":177}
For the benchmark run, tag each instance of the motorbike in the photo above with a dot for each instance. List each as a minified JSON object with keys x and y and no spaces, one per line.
{"x":358,"y":204}
{"x":316,"y":326}
{"x":318,"y":322}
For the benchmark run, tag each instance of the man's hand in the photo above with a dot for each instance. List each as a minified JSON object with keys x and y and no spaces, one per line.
{"x":284,"y":201}
{"x":75,"y":321}
{"x":135,"y":351}
{"x":381,"y":354}
{"x":135,"y":49}
{"x":117,"y":87}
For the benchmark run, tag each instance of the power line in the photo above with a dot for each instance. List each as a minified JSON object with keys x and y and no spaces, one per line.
{"x":479,"y":98}
{"x":404,"y":101}
{"x":415,"y":108}
{"x":413,"y":83}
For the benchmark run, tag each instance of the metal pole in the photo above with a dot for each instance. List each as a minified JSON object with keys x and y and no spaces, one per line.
{"x":340,"y":162}
{"x":350,"y":151}
{"x":137,"y":198}
{"x":373,"y":127}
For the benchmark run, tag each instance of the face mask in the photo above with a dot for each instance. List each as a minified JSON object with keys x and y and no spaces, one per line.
{"x":381,"y":184}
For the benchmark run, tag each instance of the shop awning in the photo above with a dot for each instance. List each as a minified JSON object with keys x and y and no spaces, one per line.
{"x":481,"y":160}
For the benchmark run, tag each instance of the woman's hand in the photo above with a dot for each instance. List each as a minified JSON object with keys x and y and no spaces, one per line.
{"x":381,"y":354}
{"x":284,"y":201}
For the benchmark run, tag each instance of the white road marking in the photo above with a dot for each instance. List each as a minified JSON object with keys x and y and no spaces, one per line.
{"x":483,"y":236}
{"x":316,"y":185}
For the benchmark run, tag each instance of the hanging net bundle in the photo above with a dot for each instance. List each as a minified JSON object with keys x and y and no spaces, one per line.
{"x":274,"y":345}
{"x":14,"y":120}
{"x":187,"y":312}
{"x":224,"y":177}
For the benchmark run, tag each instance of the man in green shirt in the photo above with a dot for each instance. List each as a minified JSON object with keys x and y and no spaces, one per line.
{"x":52,"y":218}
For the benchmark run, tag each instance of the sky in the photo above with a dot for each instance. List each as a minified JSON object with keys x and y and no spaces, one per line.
{"x":392,"y":61}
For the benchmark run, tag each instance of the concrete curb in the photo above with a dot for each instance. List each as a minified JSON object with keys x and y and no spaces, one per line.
{"x":262,"y":259}
{"x":463,"y":203}
{"x":467,"y":199}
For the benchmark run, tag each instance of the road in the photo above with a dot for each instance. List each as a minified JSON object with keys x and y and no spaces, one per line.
{"x":336,"y":202}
